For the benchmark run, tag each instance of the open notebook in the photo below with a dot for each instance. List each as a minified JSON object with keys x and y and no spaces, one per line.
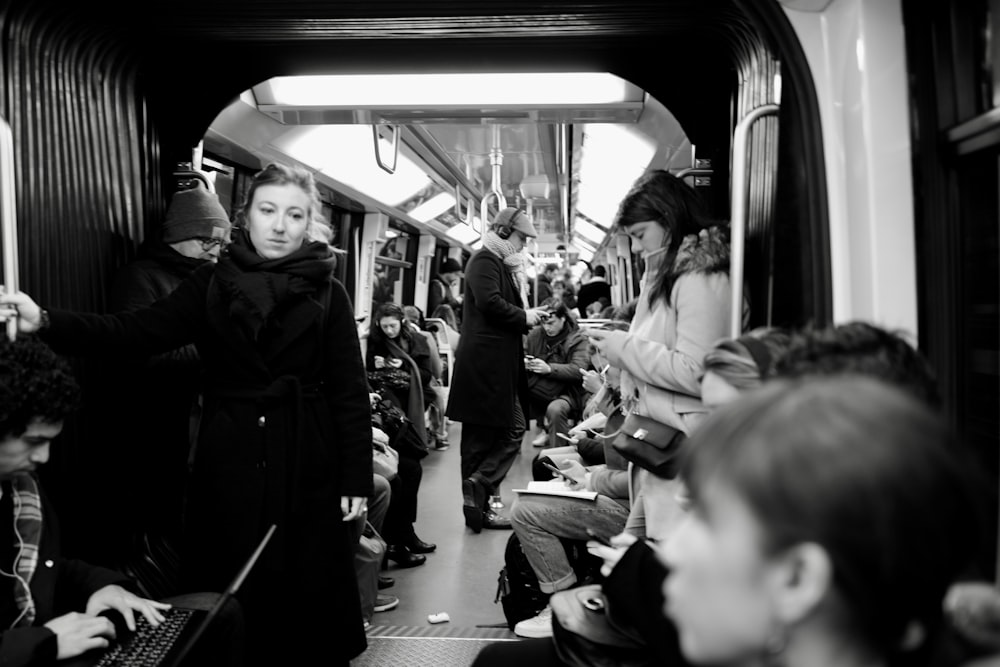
{"x":556,"y":487}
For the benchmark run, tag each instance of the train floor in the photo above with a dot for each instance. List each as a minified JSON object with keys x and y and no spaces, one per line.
{"x":459,"y":578}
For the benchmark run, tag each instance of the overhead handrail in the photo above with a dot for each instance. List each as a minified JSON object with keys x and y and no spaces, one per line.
{"x":694,"y":171}
{"x":496,"y":161}
{"x":395,"y":148}
{"x":8,"y":217}
{"x":738,"y":221}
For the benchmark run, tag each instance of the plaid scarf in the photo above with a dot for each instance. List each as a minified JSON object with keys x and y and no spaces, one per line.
{"x":28,"y":531}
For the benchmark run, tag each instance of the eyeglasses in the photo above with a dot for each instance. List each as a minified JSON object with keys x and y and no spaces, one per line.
{"x":209,"y":243}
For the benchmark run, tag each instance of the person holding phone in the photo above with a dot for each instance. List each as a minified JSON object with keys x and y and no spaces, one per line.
{"x":556,"y":353}
{"x":489,"y":391}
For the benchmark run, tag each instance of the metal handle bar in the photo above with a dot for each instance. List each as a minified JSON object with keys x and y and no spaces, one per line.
{"x":738,"y":221}
{"x":395,"y":149}
{"x":8,"y":217}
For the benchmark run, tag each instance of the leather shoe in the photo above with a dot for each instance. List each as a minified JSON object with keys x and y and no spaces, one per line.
{"x":402,"y":557}
{"x":418,"y":546}
{"x":473,"y":499}
{"x":385,"y":582}
{"x":495,"y":521}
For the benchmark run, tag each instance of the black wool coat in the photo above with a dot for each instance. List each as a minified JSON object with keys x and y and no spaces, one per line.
{"x":489,"y":370}
{"x":285,"y":432}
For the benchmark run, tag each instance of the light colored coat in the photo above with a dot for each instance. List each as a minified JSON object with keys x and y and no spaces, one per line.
{"x":662,"y":360}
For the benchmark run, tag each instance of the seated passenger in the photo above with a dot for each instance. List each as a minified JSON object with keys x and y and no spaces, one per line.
{"x":50,"y":610}
{"x":393,"y":345}
{"x":437,"y":427}
{"x":555,"y":353}
{"x":830,"y":516}
{"x":730,"y":367}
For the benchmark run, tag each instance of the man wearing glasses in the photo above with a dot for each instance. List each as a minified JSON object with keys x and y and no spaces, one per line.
{"x":156,"y":406}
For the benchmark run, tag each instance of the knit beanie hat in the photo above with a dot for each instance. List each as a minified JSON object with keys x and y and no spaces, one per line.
{"x":195,"y":213}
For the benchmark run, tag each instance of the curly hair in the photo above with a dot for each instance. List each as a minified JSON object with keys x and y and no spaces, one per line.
{"x":34,"y":384}
{"x":861,"y":348}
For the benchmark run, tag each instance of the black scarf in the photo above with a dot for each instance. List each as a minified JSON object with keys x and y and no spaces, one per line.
{"x":255,"y":286}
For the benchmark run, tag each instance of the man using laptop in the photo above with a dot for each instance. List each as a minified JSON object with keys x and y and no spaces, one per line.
{"x":49,"y":605}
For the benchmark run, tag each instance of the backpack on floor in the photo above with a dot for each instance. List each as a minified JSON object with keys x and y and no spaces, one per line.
{"x":518,"y":591}
{"x":517,"y":587}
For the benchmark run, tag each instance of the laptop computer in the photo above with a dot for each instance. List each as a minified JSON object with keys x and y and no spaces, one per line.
{"x":170,"y":643}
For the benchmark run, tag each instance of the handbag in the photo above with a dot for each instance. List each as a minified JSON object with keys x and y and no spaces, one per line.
{"x":389,"y":378}
{"x":385,"y":460}
{"x":585,"y":633}
{"x":650,"y":444}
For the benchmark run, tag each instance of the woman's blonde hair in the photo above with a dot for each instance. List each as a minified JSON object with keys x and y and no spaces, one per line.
{"x":277,"y":173}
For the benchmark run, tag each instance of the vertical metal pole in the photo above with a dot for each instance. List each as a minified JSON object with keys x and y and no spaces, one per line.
{"x":8,"y":217}
{"x":738,"y":221}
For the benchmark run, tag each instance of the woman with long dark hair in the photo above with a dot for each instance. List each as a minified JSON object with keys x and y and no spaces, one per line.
{"x":682,"y":311}
{"x":396,"y":350}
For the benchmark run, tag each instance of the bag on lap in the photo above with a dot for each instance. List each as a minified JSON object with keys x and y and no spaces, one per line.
{"x":586,"y":632}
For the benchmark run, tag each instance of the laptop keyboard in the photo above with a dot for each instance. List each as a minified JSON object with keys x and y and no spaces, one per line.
{"x":148,"y":646}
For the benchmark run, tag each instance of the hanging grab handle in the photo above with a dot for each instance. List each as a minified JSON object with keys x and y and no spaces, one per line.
{"x":484,"y":208}
{"x":391,"y":169}
{"x":738,"y":221}
{"x":8,"y":217}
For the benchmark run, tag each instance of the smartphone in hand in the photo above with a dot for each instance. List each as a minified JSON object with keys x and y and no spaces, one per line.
{"x":559,"y":472}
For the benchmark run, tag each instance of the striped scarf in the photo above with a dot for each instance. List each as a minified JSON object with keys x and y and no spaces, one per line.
{"x":512,"y":259}
{"x":28,"y":532}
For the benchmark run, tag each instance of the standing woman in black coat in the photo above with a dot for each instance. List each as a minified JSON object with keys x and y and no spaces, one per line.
{"x":285,"y":436}
{"x":489,"y":385}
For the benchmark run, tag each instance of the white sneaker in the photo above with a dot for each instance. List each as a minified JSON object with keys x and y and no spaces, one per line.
{"x":539,"y":626}
{"x":540,"y":440}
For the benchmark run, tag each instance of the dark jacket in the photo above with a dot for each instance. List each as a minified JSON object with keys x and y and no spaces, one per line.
{"x":59,"y":586}
{"x":566,"y":355}
{"x":286,"y":431}
{"x":590,"y":292}
{"x":544,"y":289}
{"x":489,"y":370}
{"x":417,"y":349}
{"x":438,"y":292}
{"x":153,"y":396}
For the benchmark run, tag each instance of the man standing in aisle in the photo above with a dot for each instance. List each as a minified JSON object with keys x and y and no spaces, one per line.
{"x":489,"y":385}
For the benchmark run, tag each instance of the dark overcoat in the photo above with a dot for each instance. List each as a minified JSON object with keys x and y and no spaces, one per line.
{"x":489,"y":370}
{"x":285,"y":432}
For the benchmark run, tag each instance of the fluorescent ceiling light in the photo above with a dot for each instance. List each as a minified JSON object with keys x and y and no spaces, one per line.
{"x":391,"y":233}
{"x":589,"y":231}
{"x":612,"y":158}
{"x":346,"y":153}
{"x":463,"y":233}
{"x":433,"y":207}
{"x":359,"y":91}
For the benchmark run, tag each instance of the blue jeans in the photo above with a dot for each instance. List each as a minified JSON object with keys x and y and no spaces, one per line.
{"x":540,"y":522}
